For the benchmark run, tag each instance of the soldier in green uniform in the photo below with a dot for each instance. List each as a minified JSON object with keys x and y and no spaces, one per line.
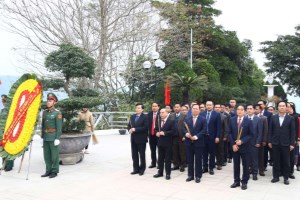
{"x":8,"y":164}
{"x":51,"y":131}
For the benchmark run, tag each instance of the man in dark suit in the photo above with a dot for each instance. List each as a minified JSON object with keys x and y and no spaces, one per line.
{"x":138,"y":128}
{"x":164,"y":130}
{"x":240,"y":131}
{"x":281,"y":141}
{"x":194,"y":129}
{"x":179,"y":153}
{"x":227,"y":147}
{"x":212,"y":137}
{"x":224,"y":135}
{"x":291,"y":110}
{"x":232,"y":105}
{"x":267,"y":150}
{"x":256,"y":140}
{"x":153,"y":117}
{"x":264,"y":119}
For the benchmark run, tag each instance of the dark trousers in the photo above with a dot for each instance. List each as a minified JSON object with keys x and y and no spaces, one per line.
{"x":281,"y":157}
{"x":51,"y":156}
{"x":267,"y":153}
{"x":261,"y":164}
{"x":220,"y":152}
{"x":254,"y":159}
{"x":229,"y":150}
{"x":153,"y":146}
{"x":164,"y":158}
{"x":209,"y":153}
{"x":292,"y":160}
{"x":237,"y":156}
{"x":297,"y":157}
{"x":138,"y":154}
{"x":179,"y":153}
{"x":226,"y":149}
{"x":194,"y":155}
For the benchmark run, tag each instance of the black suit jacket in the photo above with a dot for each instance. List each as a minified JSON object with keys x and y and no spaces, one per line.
{"x":141,"y":129}
{"x":247,"y":133}
{"x":283,"y":135}
{"x":150,"y":120}
{"x":199,"y":130}
{"x":168,"y":130}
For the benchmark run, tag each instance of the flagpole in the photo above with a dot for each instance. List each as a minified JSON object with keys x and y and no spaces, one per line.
{"x":191,"y":48}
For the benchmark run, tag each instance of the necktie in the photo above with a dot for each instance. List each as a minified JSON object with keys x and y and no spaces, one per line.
{"x":208,"y":117}
{"x":239,"y":122}
{"x":137,"y":118}
{"x":162,"y":123}
{"x":153,"y":123}
{"x":194,"y":121}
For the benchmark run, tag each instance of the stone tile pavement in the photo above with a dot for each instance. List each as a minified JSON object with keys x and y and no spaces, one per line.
{"x":105,"y":174}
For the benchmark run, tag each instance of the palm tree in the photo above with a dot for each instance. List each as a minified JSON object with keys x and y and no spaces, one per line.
{"x":187,"y":83}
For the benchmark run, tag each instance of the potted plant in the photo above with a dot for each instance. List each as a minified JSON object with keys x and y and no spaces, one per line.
{"x":73,"y":139}
{"x":75,"y":67}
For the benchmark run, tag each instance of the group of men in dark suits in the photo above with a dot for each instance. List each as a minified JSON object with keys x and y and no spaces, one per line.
{"x":203,"y":139}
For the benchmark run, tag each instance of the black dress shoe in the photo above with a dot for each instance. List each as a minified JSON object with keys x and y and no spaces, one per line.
{"x":141,"y":173}
{"x":52,"y":175}
{"x":234,"y":185}
{"x":181,"y":169}
{"x":157,"y":175}
{"x":219,"y":167}
{"x":204,"y":170}
{"x":211,"y":172}
{"x":7,"y":169}
{"x":152,"y":166}
{"x":292,"y":176}
{"x":197,"y":180}
{"x":189,"y":179}
{"x":262,"y":173}
{"x":254,"y":177}
{"x":274,"y":180}
{"x":168,"y":177}
{"x":133,"y":173}
{"x":244,"y":187}
{"x":229,"y":160}
{"x":46,"y":174}
{"x":286,"y":182}
{"x":298,"y":168}
{"x":175,"y":168}
{"x":224,"y":164}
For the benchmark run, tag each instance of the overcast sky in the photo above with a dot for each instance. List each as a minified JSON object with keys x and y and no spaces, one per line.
{"x":257,"y":20}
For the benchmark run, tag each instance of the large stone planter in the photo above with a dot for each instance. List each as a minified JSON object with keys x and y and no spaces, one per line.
{"x":71,"y":146}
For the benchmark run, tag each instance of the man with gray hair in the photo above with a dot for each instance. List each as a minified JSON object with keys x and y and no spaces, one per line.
{"x":164,"y":130}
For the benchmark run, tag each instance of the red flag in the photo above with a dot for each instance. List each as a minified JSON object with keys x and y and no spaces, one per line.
{"x":167,"y":94}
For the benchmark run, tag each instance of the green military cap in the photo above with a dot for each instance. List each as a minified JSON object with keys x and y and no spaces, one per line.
{"x":52,"y":96}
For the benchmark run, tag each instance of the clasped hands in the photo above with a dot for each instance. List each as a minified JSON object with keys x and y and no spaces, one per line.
{"x":161,"y":133}
{"x":235,"y":147}
{"x":188,"y":135}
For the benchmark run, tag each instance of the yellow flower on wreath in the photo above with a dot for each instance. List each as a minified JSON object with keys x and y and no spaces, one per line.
{"x":21,"y":142}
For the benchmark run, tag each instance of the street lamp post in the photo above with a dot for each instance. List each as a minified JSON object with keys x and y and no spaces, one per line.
{"x":271,"y":87}
{"x":158,"y":64}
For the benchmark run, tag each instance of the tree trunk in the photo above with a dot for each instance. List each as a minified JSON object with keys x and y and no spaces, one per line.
{"x":185,"y":96}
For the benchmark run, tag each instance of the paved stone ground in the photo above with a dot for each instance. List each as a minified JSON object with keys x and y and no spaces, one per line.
{"x":105,"y":174}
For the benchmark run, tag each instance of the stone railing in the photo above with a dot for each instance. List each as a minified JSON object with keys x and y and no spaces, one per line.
{"x":111,"y":120}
